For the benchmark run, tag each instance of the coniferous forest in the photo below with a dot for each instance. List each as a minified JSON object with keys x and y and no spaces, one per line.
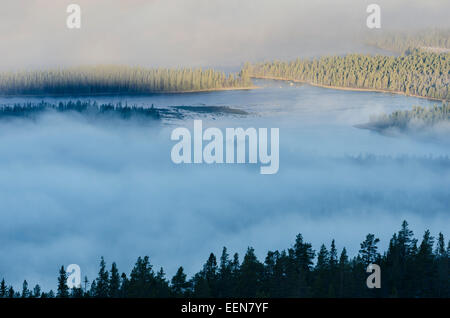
{"x":420,"y":73}
{"x":409,"y":268}
{"x":92,"y":110}
{"x":86,"y":108}
{"x":92,"y":80}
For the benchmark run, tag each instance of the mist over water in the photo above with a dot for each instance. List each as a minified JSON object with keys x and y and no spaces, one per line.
{"x":72,"y":190}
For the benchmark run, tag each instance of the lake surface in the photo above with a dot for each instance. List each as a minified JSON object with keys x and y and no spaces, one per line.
{"x":72,"y":191}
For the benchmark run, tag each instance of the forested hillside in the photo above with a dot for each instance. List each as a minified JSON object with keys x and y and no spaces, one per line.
{"x":117,"y":80}
{"x":408,"y":269}
{"x":403,"y":42}
{"x":422,"y":73}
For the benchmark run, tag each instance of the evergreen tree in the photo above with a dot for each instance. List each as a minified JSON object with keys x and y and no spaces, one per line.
{"x":93,"y":290}
{"x":298,"y":265}
{"x":124,"y":285}
{"x":86,"y":284}
{"x":25,"y":290}
{"x":251,"y":274}
{"x":63,"y":289}
{"x":114,"y":282}
{"x":11,"y":292}
{"x":102,"y":282}
{"x":333,"y":255}
{"x":344,"y":274}
{"x":3,"y":289}
{"x":179,"y":284}
{"x":322,"y":258}
{"x":443,"y":268}
{"x":225,"y":275}
{"x":275,"y":274}
{"x":321,"y":282}
{"x":162,"y":288}
{"x":405,"y":240}
{"x":76,"y":292}
{"x":142,"y":279}
{"x":426,"y":266}
{"x":440,"y":248}
{"x":304,"y":254}
{"x":408,"y":271}
{"x":210,"y":272}
{"x":333,"y":269}
{"x":368,"y":251}
{"x":200,"y":285}
{"x":37,"y":291}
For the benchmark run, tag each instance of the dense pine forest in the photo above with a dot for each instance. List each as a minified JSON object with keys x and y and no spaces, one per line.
{"x":420,"y":73}
{"x":92,"y":110}
{"x":408,"y":269}
{"x":404,"y":42}
{"x":86,"y":108}
{"x":117,"y":80}
{"x":415,"y":119}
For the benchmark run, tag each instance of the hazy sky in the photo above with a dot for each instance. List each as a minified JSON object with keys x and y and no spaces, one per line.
{"x":195,"y":32}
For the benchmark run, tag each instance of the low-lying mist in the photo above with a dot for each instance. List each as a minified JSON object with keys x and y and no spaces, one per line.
{"x":73,"y":190}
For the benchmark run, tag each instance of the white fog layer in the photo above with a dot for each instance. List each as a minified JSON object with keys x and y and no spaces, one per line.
{"x":73,"y":190}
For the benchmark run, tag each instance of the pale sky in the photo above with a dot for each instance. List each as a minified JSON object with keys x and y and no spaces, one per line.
{"x":195,"y":32}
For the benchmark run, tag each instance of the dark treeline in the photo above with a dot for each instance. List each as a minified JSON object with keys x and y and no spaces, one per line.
{"x":415,"y":119}
{"x":403,"y":42}
{"x":408,"y":269}
{"x":87,"y":108}
{"x":420,"y":73}
{"x":117,"y":80}
{"x":94,"y":110}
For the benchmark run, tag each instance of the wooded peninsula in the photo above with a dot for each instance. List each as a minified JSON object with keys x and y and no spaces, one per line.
{"x":422,"y":74}
{"x":95,"y":80}
{"x":423,"y":70}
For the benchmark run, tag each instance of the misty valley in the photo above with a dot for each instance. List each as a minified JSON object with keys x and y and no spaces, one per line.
{"x":82,"y":176}
{"x":303,"y":171}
